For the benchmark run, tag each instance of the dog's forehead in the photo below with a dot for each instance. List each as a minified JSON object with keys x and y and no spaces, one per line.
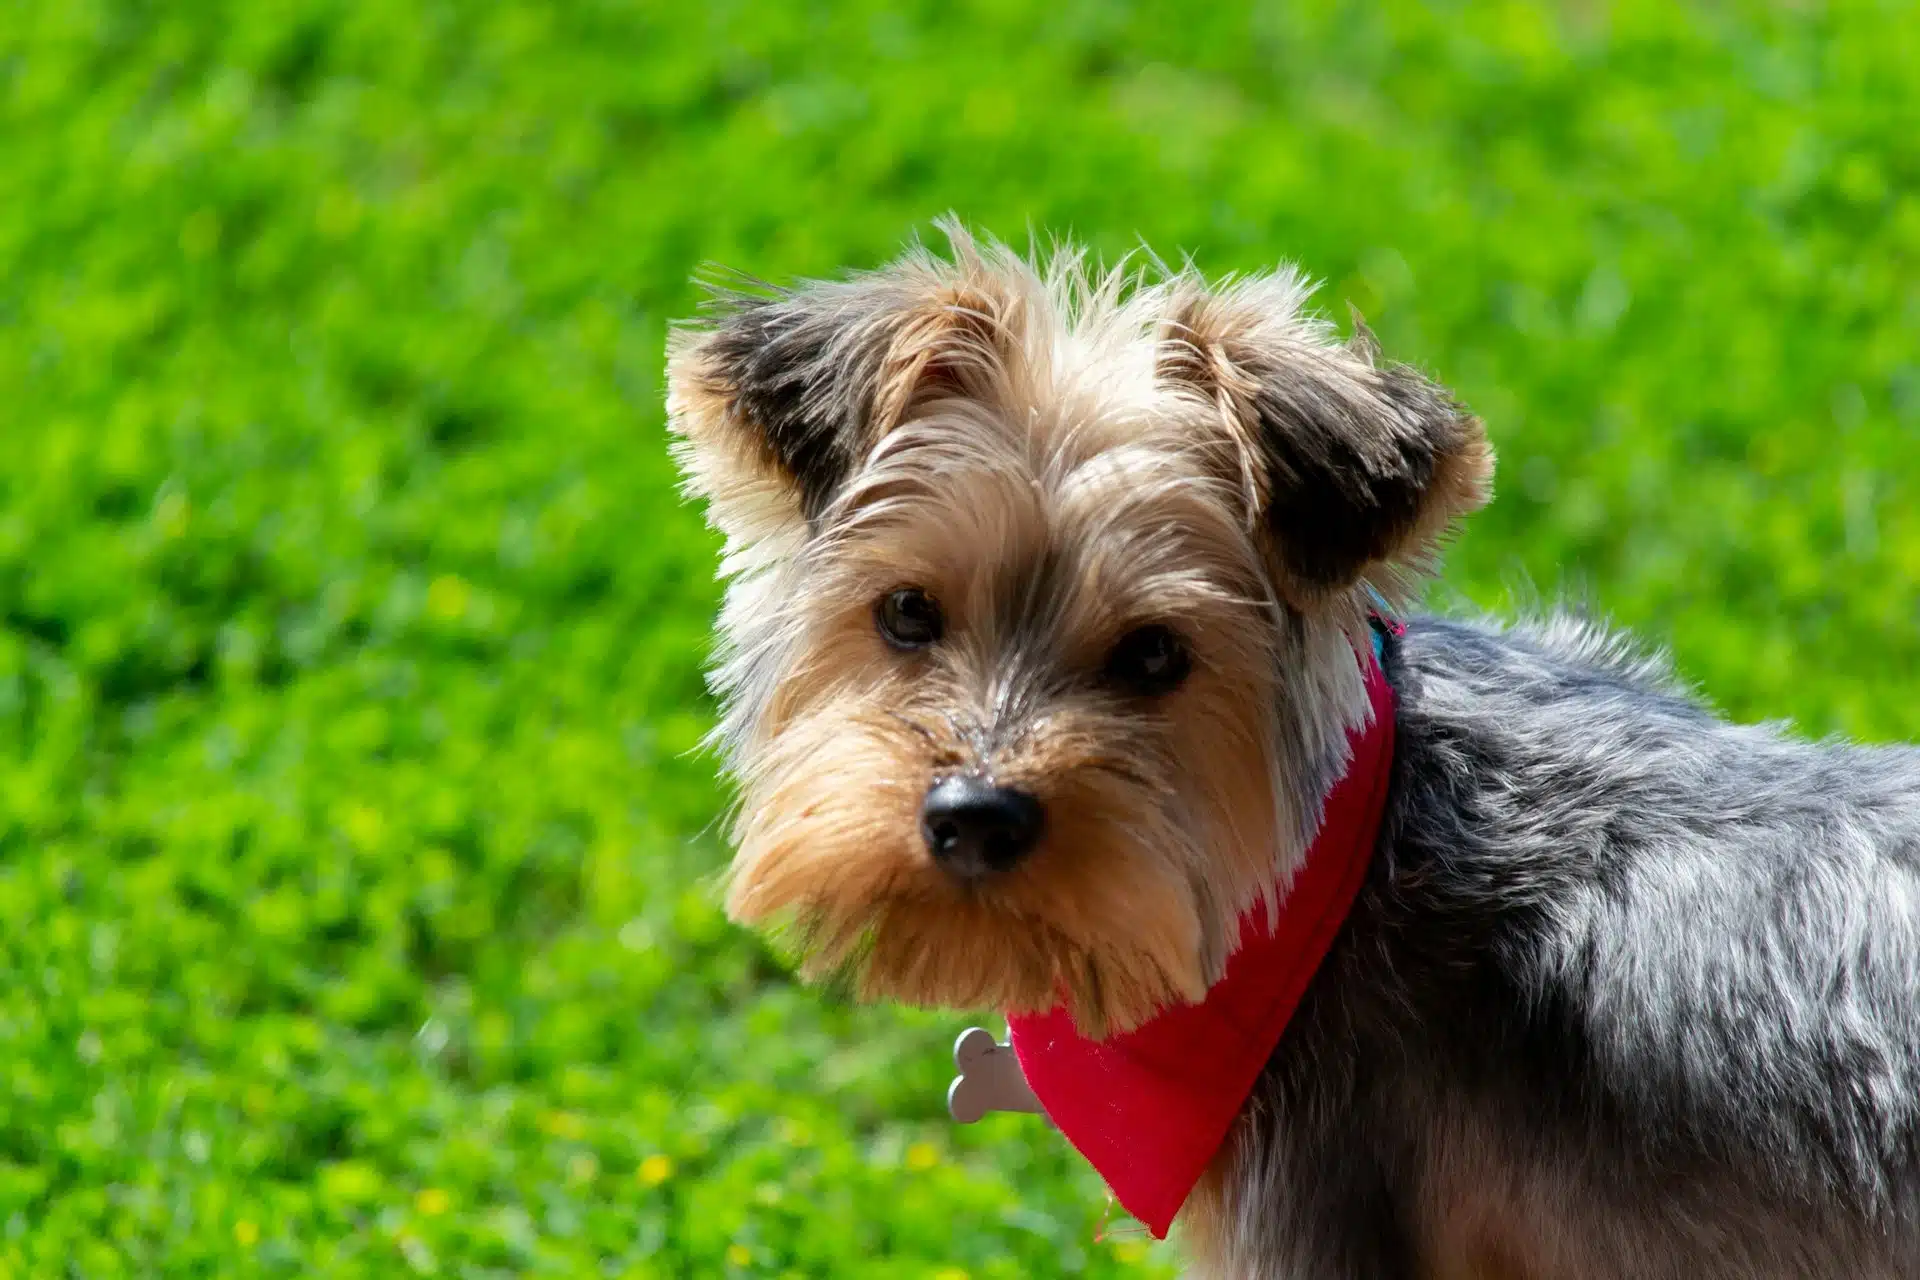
{"x":1102,"y":396}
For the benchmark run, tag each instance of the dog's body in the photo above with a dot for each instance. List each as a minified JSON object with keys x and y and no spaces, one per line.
{"x":1630,"y":993}
{"x":1039,"y":662}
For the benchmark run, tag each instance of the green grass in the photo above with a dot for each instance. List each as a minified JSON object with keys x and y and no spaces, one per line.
{"x":355,"y":862}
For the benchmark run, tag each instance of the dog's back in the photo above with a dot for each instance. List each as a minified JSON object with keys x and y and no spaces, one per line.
{"x":1632,"y":992}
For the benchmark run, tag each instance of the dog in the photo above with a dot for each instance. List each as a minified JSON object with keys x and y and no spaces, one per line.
{"x":1056,"y":597}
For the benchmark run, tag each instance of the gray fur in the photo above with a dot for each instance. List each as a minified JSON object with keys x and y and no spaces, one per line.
{"x":1638,"y":986}
{"x":1631,"y":993}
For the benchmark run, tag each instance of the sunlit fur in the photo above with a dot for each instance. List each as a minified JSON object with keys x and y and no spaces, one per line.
{"x":1628,"y":992}
{"x":1057,"y":455}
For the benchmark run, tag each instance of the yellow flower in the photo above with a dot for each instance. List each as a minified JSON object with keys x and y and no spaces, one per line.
{"x":922,"y":1156}
{"x":447,"y":597}
{"x":655,"y":1170}
{"x":364,"y":825}
{"x":949,"y":1273}
{"x":563,"y":1124}
{"x":737,"y":1254}
{"x":246,"y":1233}
{"x":432,"y":1201}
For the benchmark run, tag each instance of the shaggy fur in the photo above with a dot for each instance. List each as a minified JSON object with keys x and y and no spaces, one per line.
{"x":1630,"y":993}
{"x":1060,"y":458}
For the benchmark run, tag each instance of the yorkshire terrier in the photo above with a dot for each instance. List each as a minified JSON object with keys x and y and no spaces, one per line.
{"x":1062,"y":607}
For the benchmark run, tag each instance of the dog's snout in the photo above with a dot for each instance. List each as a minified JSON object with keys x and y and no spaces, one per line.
{"x":974,"y":826}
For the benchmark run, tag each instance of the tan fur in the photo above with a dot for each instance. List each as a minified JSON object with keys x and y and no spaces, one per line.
{"x":1123,"y":906}
{"x":1057,"y":456}
{"x":1209,"y":1229}
{"x":748,"y":498}
{"x":1495,"y":1213}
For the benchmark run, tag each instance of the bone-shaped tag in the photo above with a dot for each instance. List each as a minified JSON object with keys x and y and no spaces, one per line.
{"x":989,"y":1079}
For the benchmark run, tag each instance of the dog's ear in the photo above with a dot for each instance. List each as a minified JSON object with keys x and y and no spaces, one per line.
{"x":1357,"y":468}
{"x":781,"y":397}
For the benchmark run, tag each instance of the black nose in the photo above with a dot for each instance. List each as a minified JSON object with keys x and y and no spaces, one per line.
{"x":974,"y":827}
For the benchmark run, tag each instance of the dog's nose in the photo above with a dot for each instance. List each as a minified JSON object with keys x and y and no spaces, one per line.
{"x":974,"y":827}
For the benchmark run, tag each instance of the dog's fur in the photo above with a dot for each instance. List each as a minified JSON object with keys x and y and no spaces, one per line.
{"x":1630,"y":992}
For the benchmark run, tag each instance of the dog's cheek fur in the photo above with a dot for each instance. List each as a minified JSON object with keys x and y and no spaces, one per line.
{"x":1100,"y":914}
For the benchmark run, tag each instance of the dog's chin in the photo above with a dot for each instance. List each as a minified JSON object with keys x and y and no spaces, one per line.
{"x":958,"y":948}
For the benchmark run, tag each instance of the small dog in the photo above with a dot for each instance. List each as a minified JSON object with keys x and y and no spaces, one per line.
{"x":1044,"y":645}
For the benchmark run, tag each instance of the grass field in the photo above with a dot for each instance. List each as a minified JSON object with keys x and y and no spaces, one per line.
{"x":356,"y":902}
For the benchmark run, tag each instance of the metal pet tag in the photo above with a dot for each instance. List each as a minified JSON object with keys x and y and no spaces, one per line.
{"x":989,"y":1079}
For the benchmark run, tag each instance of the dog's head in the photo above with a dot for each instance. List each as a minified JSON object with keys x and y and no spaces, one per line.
{"x":1037,"y":658}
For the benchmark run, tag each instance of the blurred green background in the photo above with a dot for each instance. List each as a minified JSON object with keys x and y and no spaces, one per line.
{"x":356,"y":856}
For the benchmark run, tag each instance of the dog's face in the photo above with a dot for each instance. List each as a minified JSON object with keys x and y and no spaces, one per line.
{"x":1038,"y":654}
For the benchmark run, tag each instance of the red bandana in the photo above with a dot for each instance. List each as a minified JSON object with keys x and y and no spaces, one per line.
{"x":1149,"y":1108}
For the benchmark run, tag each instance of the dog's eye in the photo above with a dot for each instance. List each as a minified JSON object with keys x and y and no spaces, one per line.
{"x":908,"y":618}
{"x":1149,"y":660}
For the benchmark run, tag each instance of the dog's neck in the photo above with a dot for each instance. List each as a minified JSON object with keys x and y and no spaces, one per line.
{"x":1149,"y":1108}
